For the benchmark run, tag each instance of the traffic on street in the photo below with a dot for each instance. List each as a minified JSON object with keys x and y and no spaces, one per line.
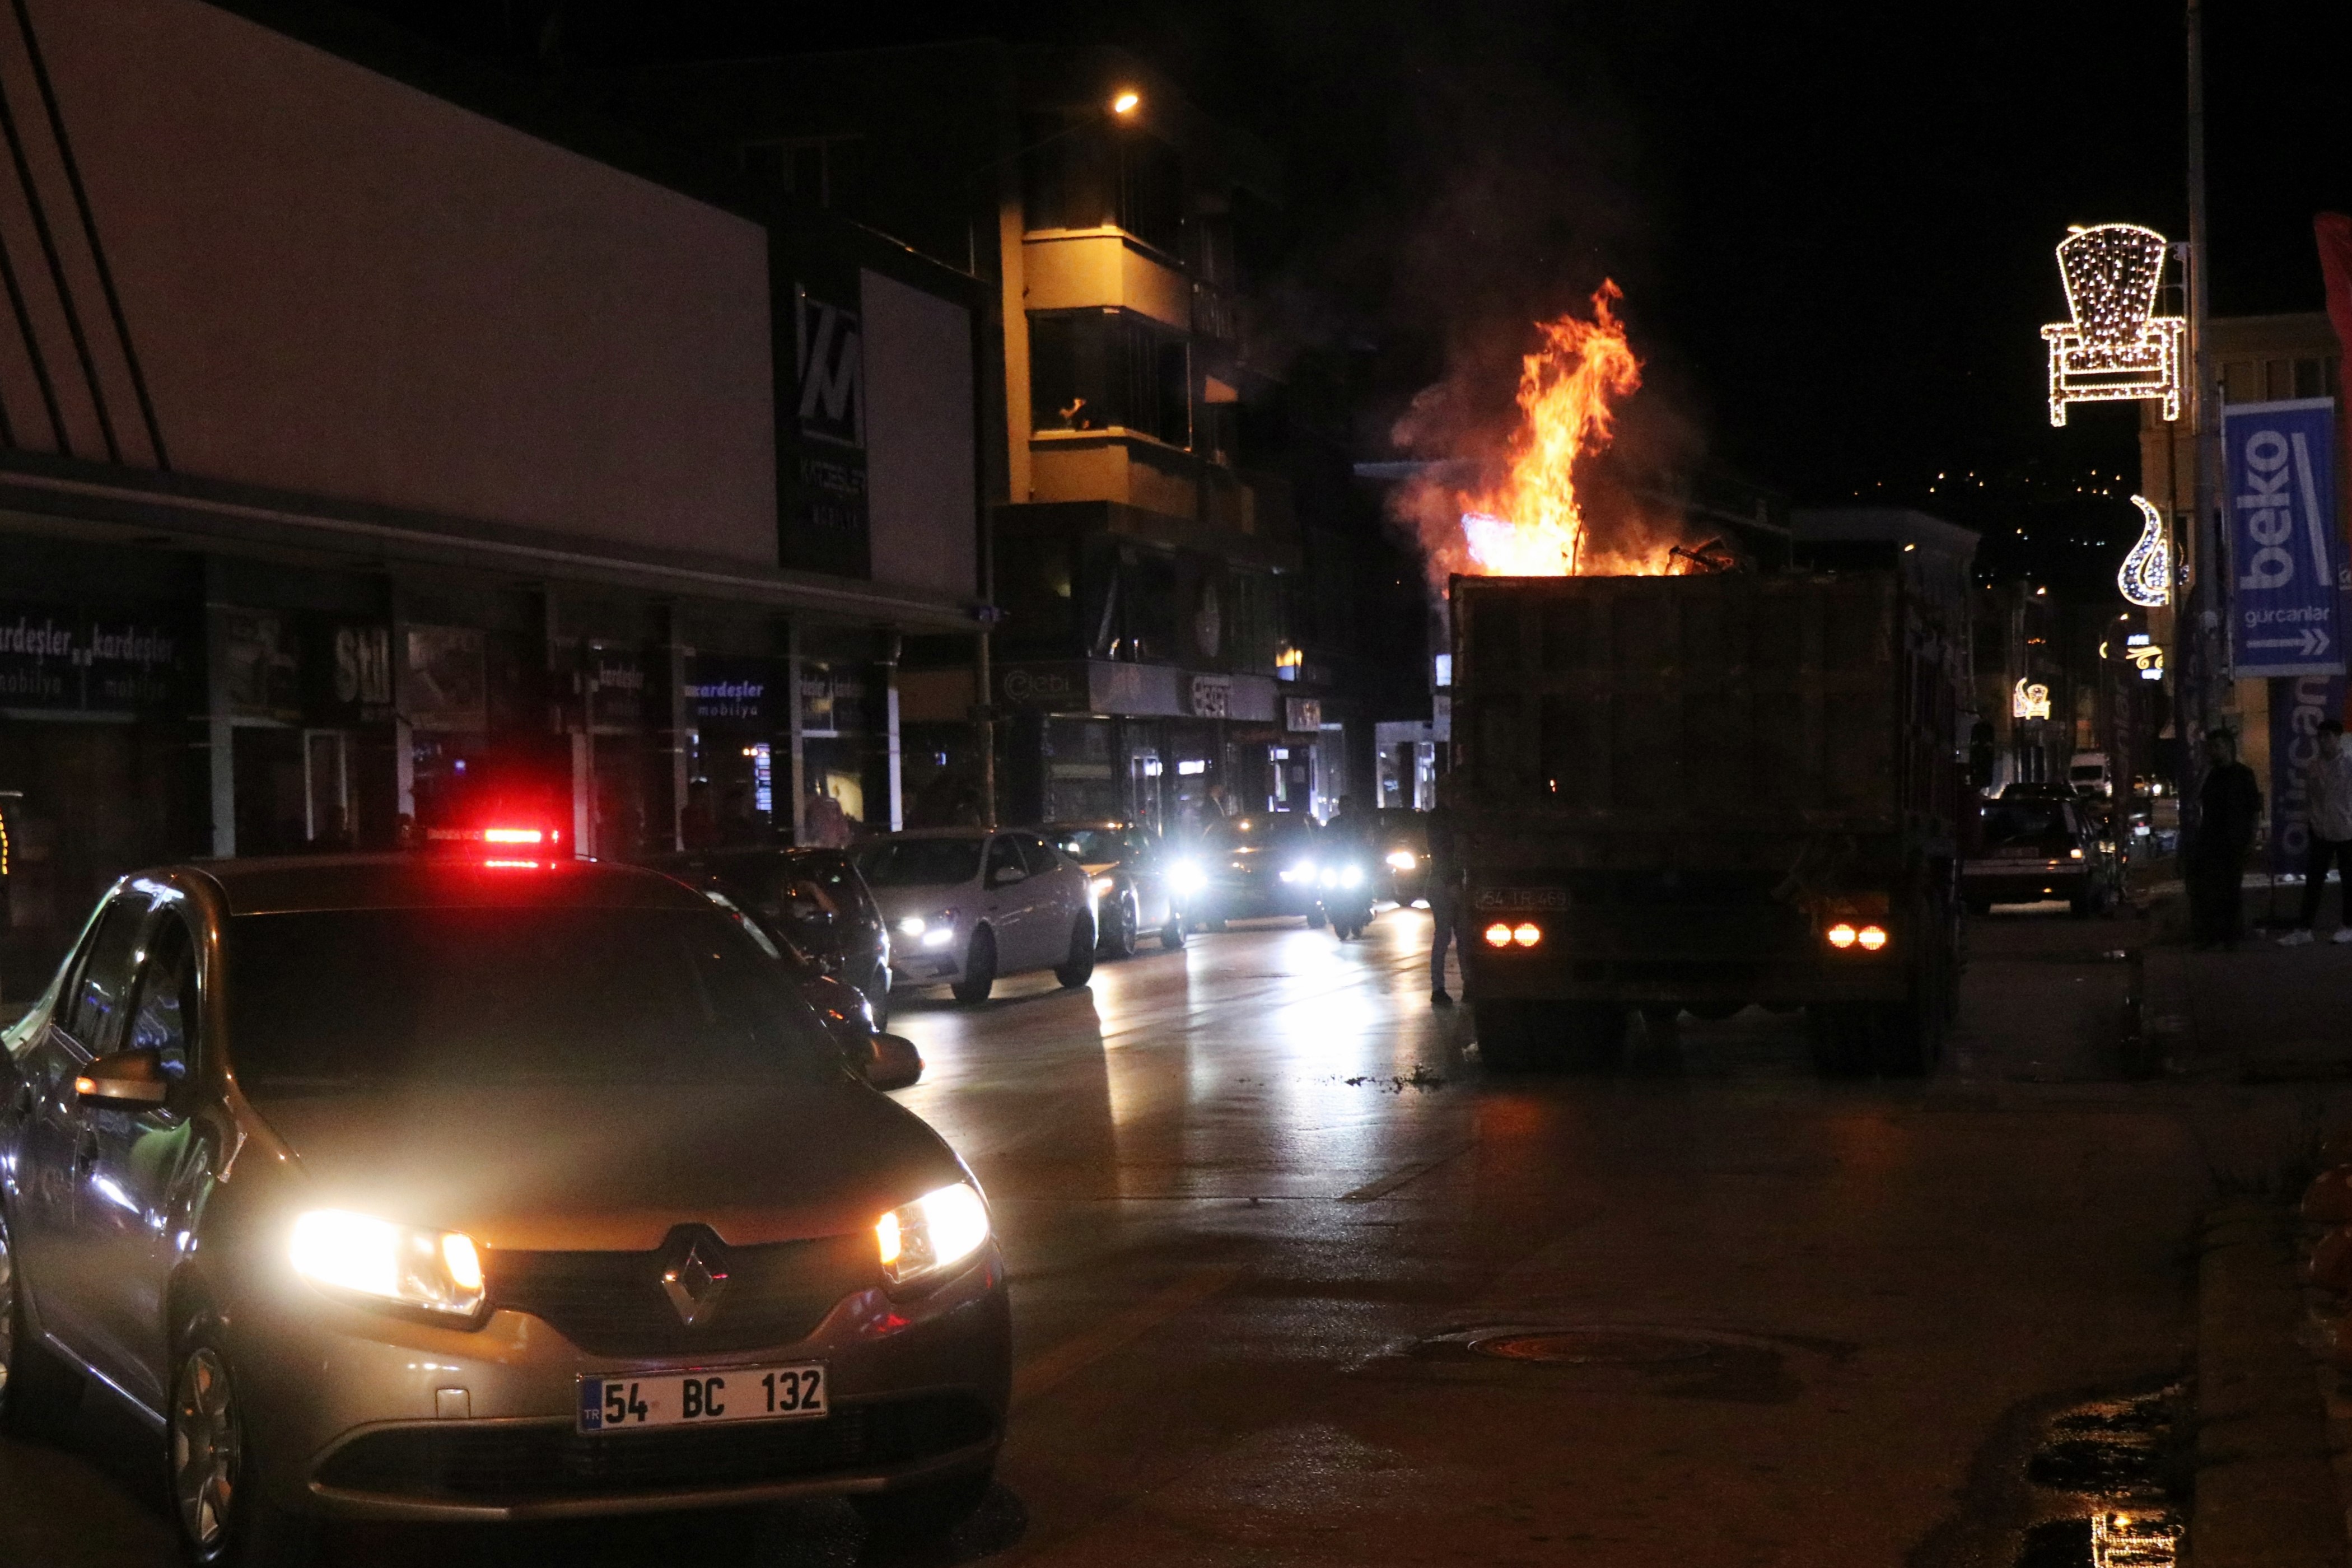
{"x":1284,"y":784}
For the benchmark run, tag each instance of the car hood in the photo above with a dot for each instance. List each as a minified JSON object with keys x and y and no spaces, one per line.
{"x":928,"y":898}
{"x":613,"y":1169}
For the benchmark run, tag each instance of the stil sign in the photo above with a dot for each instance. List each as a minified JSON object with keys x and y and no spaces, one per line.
{"x":2284,"y":555}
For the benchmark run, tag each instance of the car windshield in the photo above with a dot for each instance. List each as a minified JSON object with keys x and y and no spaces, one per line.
{"x":360,"y":998}
{"x":920,"y":862}
{"x":2012,"y":821}
{"x":1091,"y":845}
{"x":1257,"y":833}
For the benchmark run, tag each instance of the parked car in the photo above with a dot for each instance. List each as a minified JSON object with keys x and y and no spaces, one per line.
{"x":548,"y":1200}
{"x":812,"y":901}
{"x":1262,"y":864}
{"x":1400,"y":841}
{"x":1134,"y":883}
{"x":2030,"y":847}
{"x":2090,"y":773}
{"x":968,"y":905}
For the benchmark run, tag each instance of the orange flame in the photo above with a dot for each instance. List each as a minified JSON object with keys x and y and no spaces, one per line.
{"x":1531,"y":525}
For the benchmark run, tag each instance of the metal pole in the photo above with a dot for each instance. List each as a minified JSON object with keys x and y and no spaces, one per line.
{"x":2203,"y":702}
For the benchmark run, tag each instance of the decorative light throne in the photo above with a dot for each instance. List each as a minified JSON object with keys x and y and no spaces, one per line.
{"x":2116,"y":347}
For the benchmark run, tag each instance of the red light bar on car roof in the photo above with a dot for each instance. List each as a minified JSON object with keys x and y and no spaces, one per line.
{"x":513,"y":835}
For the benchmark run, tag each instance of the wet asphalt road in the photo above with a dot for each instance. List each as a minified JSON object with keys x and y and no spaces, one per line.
{"x":1259,"y":1198}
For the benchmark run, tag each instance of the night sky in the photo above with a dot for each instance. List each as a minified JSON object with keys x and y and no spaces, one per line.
{"x":1834,"y":223}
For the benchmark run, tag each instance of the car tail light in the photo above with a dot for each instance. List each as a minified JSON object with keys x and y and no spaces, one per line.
{"x":514,"y":835}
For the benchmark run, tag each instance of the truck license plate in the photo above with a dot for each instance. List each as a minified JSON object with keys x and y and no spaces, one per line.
{"x":795,"y":1393}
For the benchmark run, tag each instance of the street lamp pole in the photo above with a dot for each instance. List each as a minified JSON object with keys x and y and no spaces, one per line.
{"x":2204,"y":691}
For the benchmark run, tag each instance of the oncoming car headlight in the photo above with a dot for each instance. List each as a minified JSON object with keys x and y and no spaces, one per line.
{"x":1402,"y":859}
{"x":437,"y":1271}
{"x":1186,"y":877}
{"x":1299,"y":871}
{"x":932,"y":930}
{"x":931,"y":1234}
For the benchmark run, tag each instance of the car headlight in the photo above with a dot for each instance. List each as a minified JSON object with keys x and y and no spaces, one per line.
{"x":1303,"y":871}
{"x":1330,"y":877}
{"x":931,"y":1234}
{"x":437,"y":1271}
{"x":1186,"y":877}
{"x":1351,"y":876}
{"x":913,"y":925}
{"x":932,"y":931}
{"x":1102,"y":887}
{"x":1402,"y":859}
{"x":938,"y":936}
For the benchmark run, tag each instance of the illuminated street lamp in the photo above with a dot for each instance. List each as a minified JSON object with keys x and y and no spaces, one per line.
{"x":1127,"y":103}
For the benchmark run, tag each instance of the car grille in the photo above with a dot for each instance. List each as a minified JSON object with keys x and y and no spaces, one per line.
{"x":486,"y":1462}
{"x":613,"y":1303}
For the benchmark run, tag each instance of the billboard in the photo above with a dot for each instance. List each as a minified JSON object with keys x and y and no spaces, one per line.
{"x":2297,"y":709}
{"x":2284,"y":551}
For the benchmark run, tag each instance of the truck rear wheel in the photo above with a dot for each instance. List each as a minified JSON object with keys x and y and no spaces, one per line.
{"x":1838,"y":1034}
{"x":1588,"y":1036}
{"x":1506,"y":1042}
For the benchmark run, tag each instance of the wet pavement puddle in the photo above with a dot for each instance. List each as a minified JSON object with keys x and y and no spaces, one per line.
{"x":2121,"y":1457}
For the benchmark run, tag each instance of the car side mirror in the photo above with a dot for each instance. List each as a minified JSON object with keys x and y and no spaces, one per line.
{"x":896,"y":1063}
{"x":1005,"y":875}
{"x":125,"y":1080}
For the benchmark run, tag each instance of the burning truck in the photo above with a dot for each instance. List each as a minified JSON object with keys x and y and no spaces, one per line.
{"x":1686,"y":782}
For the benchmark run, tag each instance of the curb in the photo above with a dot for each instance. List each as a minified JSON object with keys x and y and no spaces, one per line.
{"x":2265,"y":1490}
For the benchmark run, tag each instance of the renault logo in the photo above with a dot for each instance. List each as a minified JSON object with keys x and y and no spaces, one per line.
{"x":693,"y":1287}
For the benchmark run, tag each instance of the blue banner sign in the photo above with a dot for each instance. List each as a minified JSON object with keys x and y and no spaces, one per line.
{"x":2285,"y":555}
{"x":2298,"y":708}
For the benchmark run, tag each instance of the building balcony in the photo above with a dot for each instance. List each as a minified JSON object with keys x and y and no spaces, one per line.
{"x":1085,"y":270}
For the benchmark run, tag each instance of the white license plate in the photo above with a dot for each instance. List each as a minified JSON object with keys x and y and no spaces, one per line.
{"x":710,"y":1399}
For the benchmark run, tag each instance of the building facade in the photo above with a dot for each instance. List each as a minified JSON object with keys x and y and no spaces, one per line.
{"x":1174,"y":621}
{"x":372,"y":462}
{"x":2256,"y":359}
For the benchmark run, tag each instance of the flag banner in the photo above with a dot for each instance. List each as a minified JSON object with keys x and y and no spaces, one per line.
{"x":2279,"y":462}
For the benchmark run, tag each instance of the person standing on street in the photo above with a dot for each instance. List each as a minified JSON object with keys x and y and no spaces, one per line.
{"x":2328,"y":787}
{"x":2228,"y":807}
{"x":1444,"y":892}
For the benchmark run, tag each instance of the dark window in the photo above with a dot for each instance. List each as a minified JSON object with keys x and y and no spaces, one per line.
{"x":562,"y":996}
{"x":94,"y":1007}
{"x":1108,"y":369}
{"x":2022,"y":821}
{"x":1103,"y":176}
{"x":822,"y":171}
{"x":164,"y":1018}
{"x":920,"y":862}
{"x":1004,"y":859}
{"x":1034,"y":589}
{"x":1040,"y":858}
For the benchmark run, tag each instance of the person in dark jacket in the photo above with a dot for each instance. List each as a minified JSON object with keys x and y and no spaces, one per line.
{"x":2228,"y":807}
{"x":1445,"y":890}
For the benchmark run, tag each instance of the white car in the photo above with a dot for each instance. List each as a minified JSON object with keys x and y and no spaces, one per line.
{"x":965,"y":905}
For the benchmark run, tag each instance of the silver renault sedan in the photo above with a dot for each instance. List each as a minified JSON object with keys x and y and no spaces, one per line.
{"x":480,"y":1189}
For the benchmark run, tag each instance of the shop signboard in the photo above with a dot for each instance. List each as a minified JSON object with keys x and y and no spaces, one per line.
{"x":1302,"y":715}
{"x":1212,"y":696}
{"x":2284,"y":555}
{"x":612,"y":679}
{"x":830,"y":527}
{"x":442,"y":684}
{"x":2298,"y":707}
{"x":74,"y":659}
{"x":833,"y":700}
{"x":731,"y":690}
{"x":356,"y":671}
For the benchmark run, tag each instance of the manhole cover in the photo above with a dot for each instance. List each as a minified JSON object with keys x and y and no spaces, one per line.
{"x":1592,"y":1347}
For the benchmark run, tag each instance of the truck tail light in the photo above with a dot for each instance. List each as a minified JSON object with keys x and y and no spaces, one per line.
{"x":1526,"y":934}
{"x":1842,"y":935}
{"x":1872,"y":938}
{"x":1498,"y":936}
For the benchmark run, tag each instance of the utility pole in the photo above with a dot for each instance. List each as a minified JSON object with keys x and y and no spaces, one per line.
{"x":2201,"y":693}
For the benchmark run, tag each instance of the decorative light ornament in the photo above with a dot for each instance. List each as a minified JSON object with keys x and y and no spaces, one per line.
{"x":2146,"y":575}
{"x":2030,"y":701}
{"x":2116,"y":347}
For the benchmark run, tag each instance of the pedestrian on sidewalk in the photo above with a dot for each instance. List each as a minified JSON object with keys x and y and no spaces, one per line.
{"x":2328,"y":787}
{"x":2228,"y":808}
{"x":1446,"y":892}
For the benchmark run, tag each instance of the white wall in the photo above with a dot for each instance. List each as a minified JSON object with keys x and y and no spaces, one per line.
{"x":339,"y":286}
{"x":919,"y":442}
